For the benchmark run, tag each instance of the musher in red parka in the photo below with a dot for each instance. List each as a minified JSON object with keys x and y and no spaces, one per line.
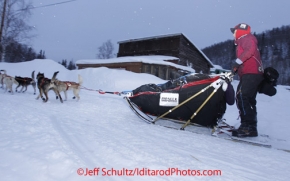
{"x":249,"y":67}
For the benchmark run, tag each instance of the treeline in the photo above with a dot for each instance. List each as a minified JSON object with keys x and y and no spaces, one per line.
{"x":71,"y":65}
{"x":15,"y":29}
{"x":16,"y":52}
{"x":274,"y":46}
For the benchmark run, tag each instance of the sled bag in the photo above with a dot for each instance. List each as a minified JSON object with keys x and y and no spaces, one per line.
{"x":267,"y":86}
{"x":214,"y":109}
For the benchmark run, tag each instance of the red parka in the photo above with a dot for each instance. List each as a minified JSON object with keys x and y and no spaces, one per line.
{"x":247,"y":51}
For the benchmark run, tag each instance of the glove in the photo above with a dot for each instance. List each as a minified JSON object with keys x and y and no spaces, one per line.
{"x":236,"y":65}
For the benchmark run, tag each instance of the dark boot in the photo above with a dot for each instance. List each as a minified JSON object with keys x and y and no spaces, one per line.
{"x":246,"y":130}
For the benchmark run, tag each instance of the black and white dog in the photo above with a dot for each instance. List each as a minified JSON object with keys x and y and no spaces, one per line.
{"x":25,"y":82}
{"x":44,"y":85}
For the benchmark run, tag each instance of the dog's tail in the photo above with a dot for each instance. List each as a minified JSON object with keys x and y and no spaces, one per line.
{"x":33,"y":82}
{"x":32,"y":74}
{"x":80,"y":79}
{"x":52,"y":82}
{"x":54,"y":76}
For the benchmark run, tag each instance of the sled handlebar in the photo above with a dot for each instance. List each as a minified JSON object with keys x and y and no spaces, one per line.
{"x":227,"y":76}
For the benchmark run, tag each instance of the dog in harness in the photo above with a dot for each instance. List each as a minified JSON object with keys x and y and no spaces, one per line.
{"x":2,"y":76}
{"x":8,"y":81}
{"x":44,"y":86}
{"x":64,"y":86}
{"x":25,"y":82}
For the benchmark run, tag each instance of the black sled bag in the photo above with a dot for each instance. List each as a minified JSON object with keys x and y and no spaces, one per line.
{"x":148,"y":102}
{"x":267,"y":86}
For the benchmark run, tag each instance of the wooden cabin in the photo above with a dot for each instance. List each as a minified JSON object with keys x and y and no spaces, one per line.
{"x":181,"y":55}
{"x":176,"y":45}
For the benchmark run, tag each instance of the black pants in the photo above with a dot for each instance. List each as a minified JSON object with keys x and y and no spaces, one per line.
{"x":246,"y":97}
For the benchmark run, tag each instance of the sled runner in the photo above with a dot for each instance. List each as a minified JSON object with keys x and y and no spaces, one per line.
{"x":222,"y":130}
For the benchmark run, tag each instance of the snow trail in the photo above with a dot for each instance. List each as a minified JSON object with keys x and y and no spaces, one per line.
{"x":51,"y":141}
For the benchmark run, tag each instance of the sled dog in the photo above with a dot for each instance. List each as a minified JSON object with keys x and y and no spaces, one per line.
{"x":64,"y":86}
{"x":2,"y":76}
{"x":43,"y":84}
{"x":25,"y":82}
{"x":7,"y":80}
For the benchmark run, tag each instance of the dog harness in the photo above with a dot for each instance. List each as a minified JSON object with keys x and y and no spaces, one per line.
{"x":43,"y":80}
{"x":68,"y":84}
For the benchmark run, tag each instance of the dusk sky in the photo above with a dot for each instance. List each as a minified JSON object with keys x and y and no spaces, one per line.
{"x":74,"y":30}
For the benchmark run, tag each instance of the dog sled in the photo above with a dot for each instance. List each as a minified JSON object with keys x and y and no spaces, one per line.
{"x":192,"y":99}
{"x":195,"y":103}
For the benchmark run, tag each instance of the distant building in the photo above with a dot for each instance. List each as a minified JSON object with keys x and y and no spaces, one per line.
{"x":176,"y":45}
{"x":167,"y":57}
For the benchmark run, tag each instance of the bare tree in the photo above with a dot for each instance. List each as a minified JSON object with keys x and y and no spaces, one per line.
{"x":14,"y":23}
{"x":106,"y":50}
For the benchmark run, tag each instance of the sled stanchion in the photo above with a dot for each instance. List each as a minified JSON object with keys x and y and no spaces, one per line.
{"x":200,"y":107}
{"x":204,"y":89}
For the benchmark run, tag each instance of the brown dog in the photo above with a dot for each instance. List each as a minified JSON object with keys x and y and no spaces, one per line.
{"x":25,"y":82}
{"x":64,"y":86}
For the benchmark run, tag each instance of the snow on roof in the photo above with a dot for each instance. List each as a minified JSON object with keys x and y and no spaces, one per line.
{"x":200,"y":52}
{"x":150,"y":59}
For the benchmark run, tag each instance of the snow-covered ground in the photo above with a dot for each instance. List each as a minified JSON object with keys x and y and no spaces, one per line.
{"x":100,"y":134}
